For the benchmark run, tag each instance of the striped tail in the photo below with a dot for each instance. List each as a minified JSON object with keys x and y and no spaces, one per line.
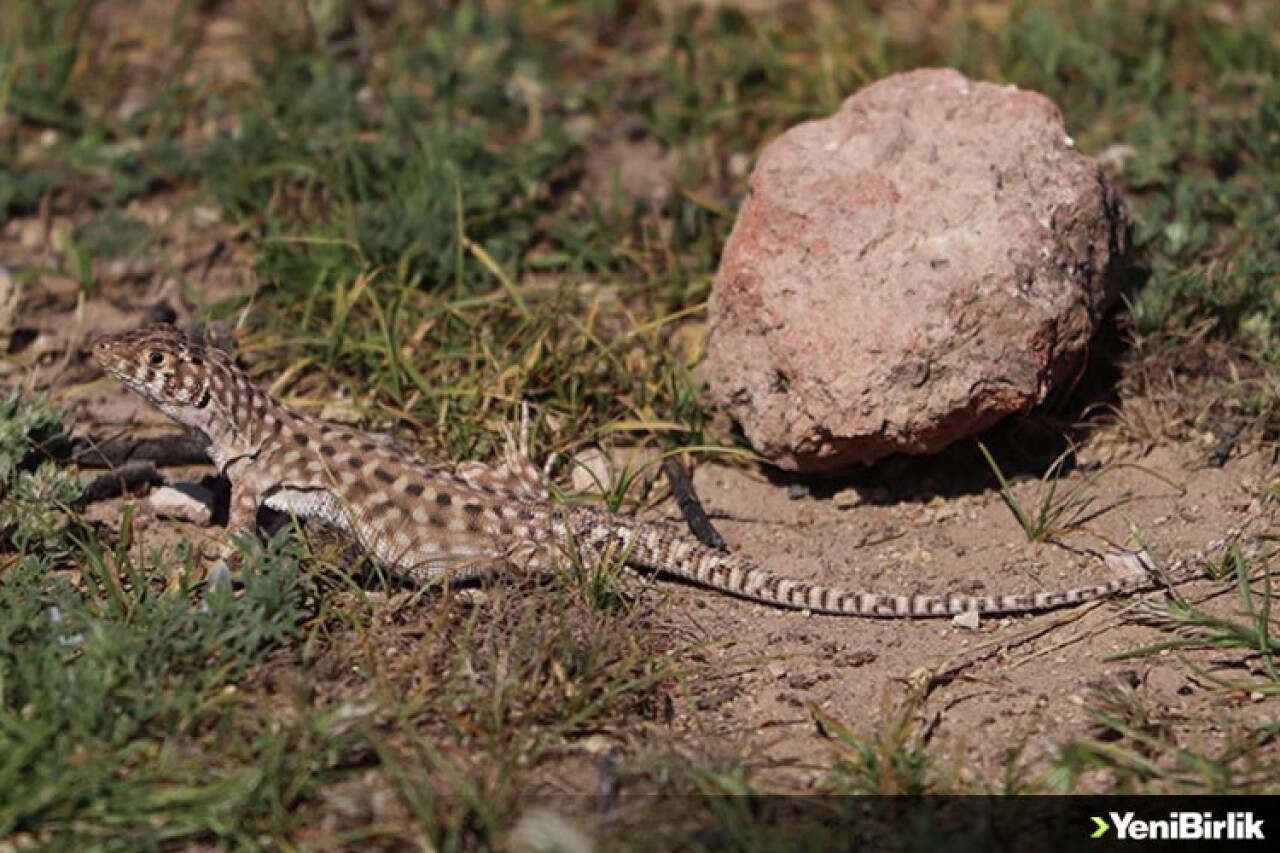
{"x":658,"y":548}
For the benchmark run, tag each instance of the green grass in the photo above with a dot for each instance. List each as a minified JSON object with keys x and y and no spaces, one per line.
{"x":396,"y":174}
{"x":142,"y":703}
{"x":114,"y":684}
{"x":110,"y":686}
{"x":405,"y":189}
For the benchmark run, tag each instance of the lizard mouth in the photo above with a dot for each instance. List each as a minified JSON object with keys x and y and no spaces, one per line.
{"x":103,"y":353}
{"x":111,"y":368}
{"x":113,"y":365}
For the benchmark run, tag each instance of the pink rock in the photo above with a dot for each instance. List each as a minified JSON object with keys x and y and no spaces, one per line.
{"x":908,"y":271}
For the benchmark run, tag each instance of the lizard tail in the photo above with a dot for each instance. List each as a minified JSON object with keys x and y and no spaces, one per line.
{"x":659,"y":548}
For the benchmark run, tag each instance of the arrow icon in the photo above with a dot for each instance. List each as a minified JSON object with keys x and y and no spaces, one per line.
{"x":1102,"y":828}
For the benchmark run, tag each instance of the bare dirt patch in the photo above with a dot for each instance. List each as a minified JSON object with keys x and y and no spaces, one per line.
{"x":1017,"y":684}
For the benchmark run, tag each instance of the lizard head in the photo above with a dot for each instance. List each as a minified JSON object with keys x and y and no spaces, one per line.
{"x":182,"y":378}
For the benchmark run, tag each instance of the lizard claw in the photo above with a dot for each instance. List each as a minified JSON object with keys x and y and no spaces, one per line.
{"x":517,"y":443}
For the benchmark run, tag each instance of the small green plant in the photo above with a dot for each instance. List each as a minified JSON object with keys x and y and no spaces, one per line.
{"x":100,"y":674}
{"x":893,"y":760}
{"x":42,"y":45}
{"x":36,"y":497}
{"x":26,"y":426}
{"x":37,"y":511}
{"x":1055,"y":515}
{"x":1141,"y":754}
{"x":597,"y":577}
{"x":1252,"y":629}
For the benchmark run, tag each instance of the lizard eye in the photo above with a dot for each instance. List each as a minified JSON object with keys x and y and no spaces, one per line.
{"x":155,"y":358}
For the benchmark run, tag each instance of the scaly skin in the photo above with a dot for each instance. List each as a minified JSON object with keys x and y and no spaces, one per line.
{"x":428,"y":522}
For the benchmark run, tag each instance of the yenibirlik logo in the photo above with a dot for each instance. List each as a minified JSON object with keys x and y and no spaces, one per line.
{"x":1182,"y":826}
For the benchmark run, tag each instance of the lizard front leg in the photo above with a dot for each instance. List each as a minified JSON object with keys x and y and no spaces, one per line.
{"x":243,"y":515}
{"x":244,"y":512}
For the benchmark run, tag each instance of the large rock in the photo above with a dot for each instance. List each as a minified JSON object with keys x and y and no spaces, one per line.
{"x":906,"y":272}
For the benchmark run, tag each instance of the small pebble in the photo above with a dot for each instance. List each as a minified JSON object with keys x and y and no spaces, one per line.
{"x":592,"y":472}
{"x":541,"y":830}
{"x":184,"y":502}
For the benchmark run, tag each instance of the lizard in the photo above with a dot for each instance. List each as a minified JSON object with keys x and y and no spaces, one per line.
{"x":430,"y":523}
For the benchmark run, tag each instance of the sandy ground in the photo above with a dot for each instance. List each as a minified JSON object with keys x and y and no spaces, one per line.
{"x":1014,"y":685}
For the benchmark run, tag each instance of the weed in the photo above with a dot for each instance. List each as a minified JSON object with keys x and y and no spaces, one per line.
{"x":36,"y":497}
{"x":1054,"y":515}
{"x":1252,"y":629}
{"x":1141,"y":752}
{"x":1137,"y":758}
{"x":894,"y":760}
{"x":42,"y":47}
{"x":104,"y":678}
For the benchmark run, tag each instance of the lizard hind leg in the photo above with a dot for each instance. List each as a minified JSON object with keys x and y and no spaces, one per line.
{"x":517,"y":461}
{"x":516,"y":476}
